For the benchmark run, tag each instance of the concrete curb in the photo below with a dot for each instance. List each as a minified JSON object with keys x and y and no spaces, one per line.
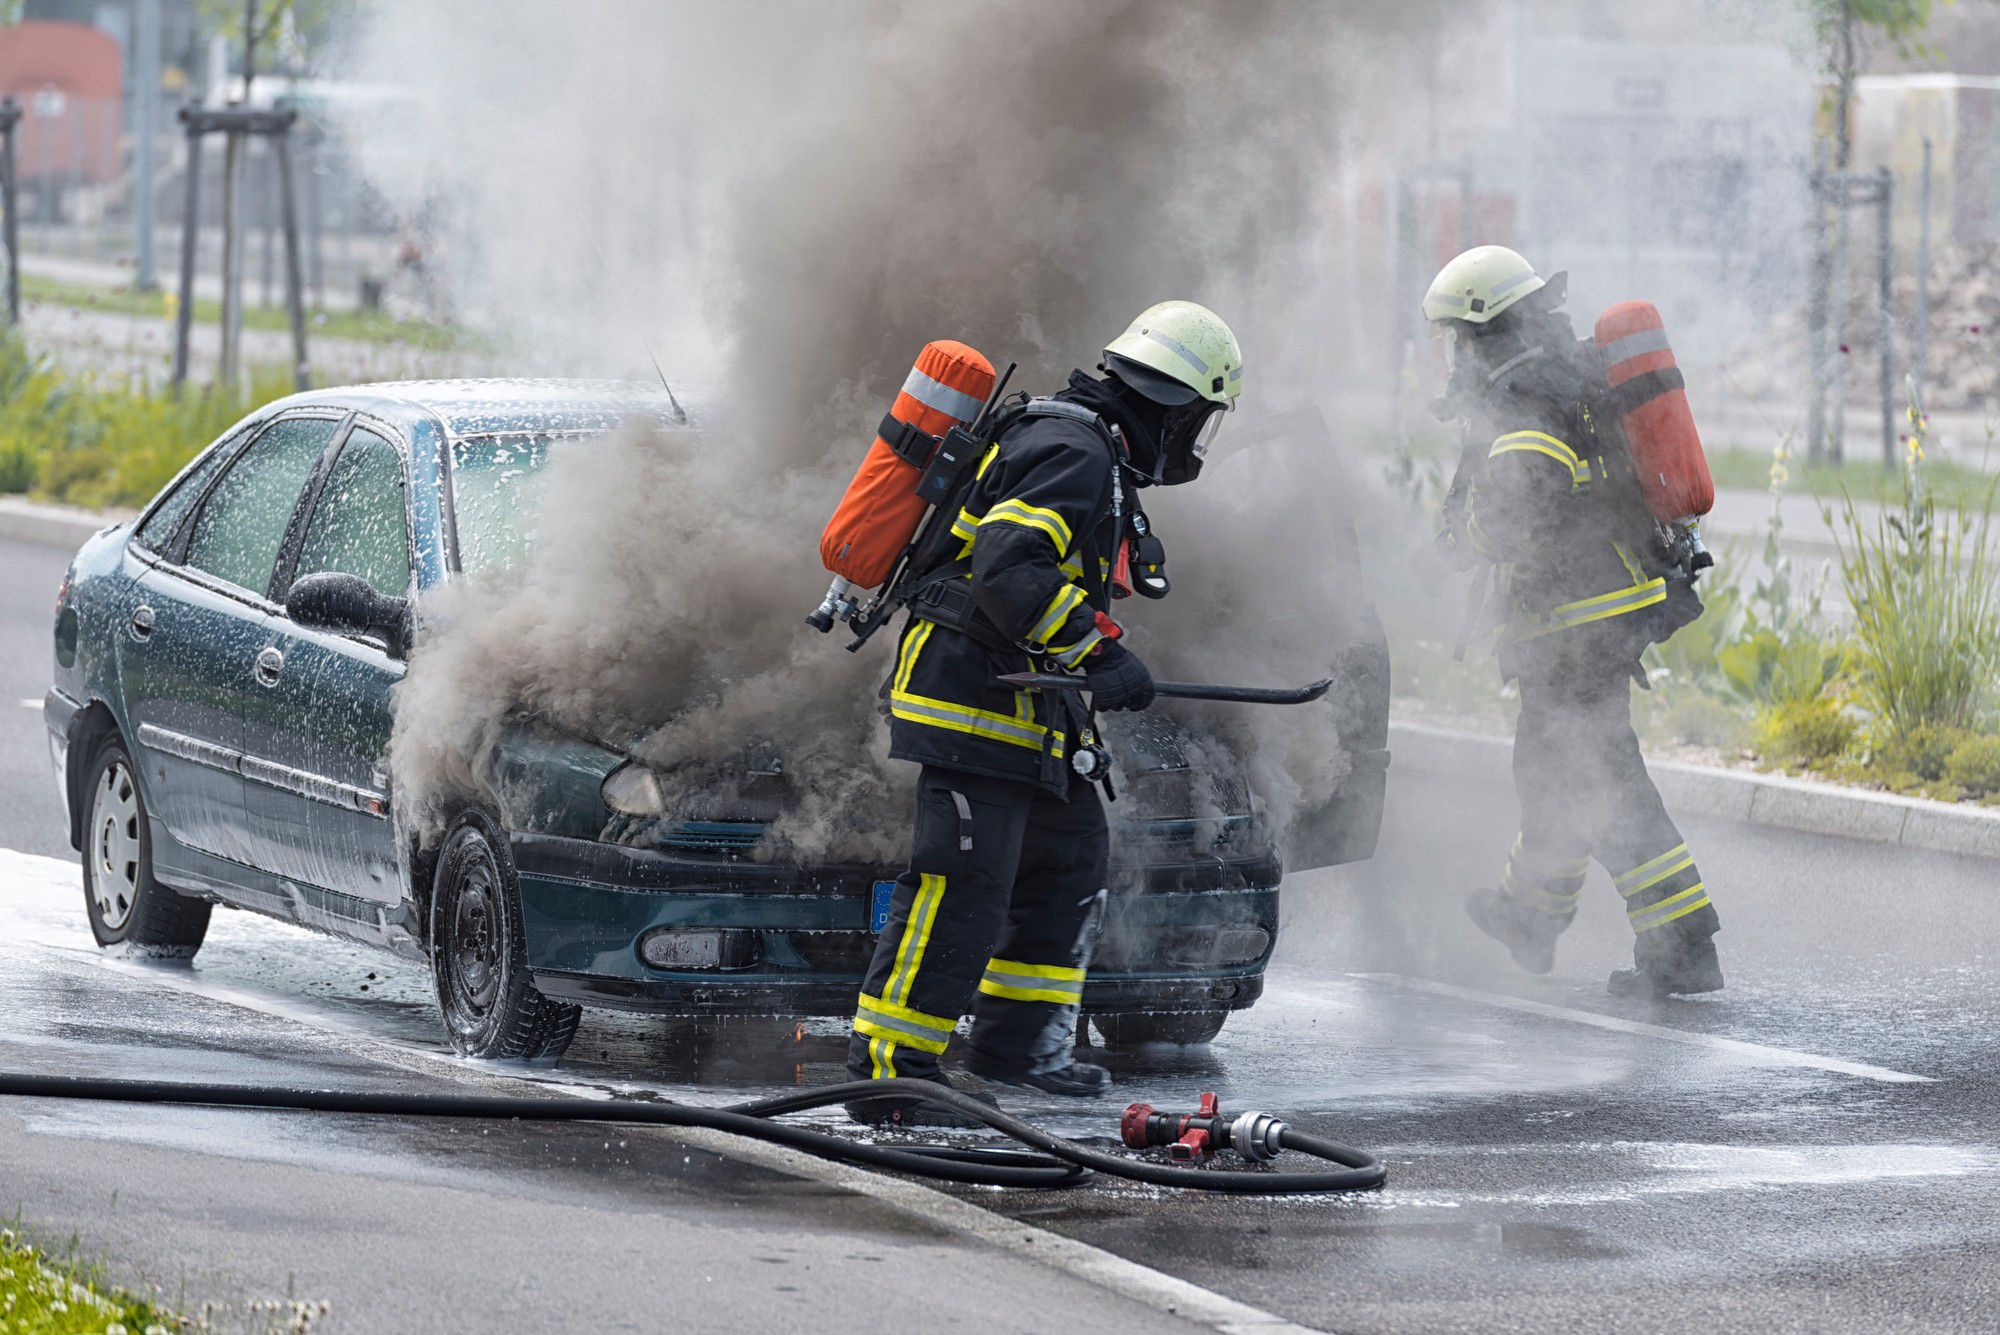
{"x":52,"y":525}
{"x":1755,"y":799}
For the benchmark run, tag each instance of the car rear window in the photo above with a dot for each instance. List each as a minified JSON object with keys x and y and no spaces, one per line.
{"x":496,"y":486}
{"x":157,"y":532}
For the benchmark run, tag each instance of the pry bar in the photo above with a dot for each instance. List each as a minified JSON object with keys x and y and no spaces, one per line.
{"x":1179,"y":690}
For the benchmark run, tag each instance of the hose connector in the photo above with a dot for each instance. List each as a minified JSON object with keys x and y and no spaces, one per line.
{"x":1257,"y":1136}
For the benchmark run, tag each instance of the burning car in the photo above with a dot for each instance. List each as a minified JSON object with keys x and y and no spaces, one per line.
{"x":225,"y":673}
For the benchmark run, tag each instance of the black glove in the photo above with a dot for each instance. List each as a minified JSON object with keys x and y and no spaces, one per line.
{"x":1118,"y":680}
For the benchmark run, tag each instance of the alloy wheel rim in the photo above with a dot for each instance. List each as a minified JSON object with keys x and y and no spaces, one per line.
{"x":114,"y":846}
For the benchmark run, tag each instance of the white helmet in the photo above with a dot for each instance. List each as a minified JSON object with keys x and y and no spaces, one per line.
{"x":1480,"y":284}
{"x":1186,"y":343}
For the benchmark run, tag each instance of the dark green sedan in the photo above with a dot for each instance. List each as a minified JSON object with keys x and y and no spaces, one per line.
{"x":220,"y":718}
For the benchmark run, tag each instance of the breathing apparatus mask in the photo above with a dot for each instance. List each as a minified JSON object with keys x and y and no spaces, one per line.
{"x":1187,"y":423}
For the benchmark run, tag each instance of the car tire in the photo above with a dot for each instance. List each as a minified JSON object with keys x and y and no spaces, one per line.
{"x":127,"y":905}
{"x":1122,"y":1033}
{"x":479,"y":960}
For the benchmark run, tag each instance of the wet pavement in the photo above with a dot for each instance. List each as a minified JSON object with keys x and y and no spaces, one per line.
{"x":1814,"y":1149}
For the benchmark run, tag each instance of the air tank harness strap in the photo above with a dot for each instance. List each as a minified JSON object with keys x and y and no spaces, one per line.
{"x":944,"y":598}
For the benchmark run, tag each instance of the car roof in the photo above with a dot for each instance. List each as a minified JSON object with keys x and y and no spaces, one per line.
{"x":479,"y":407}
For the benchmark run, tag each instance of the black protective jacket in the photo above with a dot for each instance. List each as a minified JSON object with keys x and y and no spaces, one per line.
{"x":1036,"y":538}
{"x":1582,"y":578}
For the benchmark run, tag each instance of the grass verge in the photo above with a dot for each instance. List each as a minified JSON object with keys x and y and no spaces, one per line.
{"x":369,"y":326}
{"x":39,"y":1296}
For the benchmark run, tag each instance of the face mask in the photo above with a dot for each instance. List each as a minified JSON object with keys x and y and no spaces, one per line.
{"x":1185,"y":439}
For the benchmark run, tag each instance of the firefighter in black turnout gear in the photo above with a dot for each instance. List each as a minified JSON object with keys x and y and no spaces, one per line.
{"x":999,"y":909}
{"x":1581,"y":586}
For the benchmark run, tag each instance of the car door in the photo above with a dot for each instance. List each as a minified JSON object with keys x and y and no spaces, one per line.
{"x":328,"y":730}
{"x":188,"y":657}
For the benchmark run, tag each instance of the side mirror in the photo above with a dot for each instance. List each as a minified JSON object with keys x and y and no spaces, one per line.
{"x":348,"y":605}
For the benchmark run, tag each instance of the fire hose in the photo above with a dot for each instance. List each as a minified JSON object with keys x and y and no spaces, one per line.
{"x":1059,"y":1162}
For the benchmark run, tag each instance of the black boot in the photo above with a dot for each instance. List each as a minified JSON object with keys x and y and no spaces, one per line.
{"x":1529,"y":935}
{"x":901,"y":1110}
{"x":1666,"y":965}
{"x":1077,"y":1080}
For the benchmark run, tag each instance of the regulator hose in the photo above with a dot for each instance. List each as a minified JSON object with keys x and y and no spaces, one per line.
{"x":1060,"y":1163}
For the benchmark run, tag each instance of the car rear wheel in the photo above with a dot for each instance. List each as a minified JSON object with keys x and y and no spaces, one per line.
{"x":127,"y":906}
{"x":1122,"y":1033}
{"x":478,"y":959}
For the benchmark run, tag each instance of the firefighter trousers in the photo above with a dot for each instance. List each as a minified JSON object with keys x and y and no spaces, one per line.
{"x":997,"y":916}
{"x":1585,"y":794}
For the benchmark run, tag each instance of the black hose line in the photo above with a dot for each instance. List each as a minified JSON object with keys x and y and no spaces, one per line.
{"x":1061,"y":1163}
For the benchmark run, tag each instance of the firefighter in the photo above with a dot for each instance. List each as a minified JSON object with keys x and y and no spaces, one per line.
{"x":1582,"y":585}
{"x":1006,"y":882}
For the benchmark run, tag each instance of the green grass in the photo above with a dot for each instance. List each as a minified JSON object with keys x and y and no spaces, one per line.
{"x":98,"y":441}
{"x":371,"y":326}
{"x":41,"y":1297}
{"x":1865,"y":480}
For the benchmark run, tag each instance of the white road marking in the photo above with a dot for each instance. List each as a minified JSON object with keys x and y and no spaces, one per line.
{"x":1142,"y":1284}
{"x":1759,"y":1052}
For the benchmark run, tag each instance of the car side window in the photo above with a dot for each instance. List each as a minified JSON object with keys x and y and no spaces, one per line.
{"x":157,"y":533}
{"x":357,"y":525}
{"x":242,"y":523}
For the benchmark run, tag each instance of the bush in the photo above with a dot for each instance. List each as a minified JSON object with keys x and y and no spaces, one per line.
{"x":1974,"y":765}
{"x":1926,"y":611}
{"x":94,"y":443}
{"x":1923,"y":752}
{"x":1805,"y":734}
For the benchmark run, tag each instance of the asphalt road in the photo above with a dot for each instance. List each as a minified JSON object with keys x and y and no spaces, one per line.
{"x":1812,"y":1150}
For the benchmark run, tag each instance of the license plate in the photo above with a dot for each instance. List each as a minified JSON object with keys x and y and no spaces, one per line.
{"x":878,"y":906}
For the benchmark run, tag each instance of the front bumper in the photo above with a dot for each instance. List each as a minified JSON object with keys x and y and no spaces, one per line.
{"x":1180,"y":935}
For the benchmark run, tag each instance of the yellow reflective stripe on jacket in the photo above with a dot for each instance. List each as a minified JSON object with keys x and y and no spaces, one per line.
{"x":965,"y":525}
{"x":1583,"y":611}
{"x":900,"y":1024}
{"x":1068,"y":598}
{"x":1072,"y":654}
{"x":1015,"y":981}
{"x":1019,"y":728}
{"x":986,"y":460}
{"x":1032,"y":516}
{"x":1539,"y":442}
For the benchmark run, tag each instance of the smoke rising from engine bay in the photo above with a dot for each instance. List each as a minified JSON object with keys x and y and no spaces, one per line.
{"x":786,"y":201}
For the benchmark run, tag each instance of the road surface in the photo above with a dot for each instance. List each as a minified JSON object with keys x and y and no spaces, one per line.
{"x":1814,"y":1149}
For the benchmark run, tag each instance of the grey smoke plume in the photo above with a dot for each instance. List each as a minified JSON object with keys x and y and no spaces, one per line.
{"x":788,"y":200}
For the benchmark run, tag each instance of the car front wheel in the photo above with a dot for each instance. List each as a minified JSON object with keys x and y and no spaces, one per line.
{"x":478,"y":959}
{"x":1122,"y":1033}
{"x":127,"y":906}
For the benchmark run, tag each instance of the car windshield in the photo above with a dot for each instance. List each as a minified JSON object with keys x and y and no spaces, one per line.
{"x":496,"y":488}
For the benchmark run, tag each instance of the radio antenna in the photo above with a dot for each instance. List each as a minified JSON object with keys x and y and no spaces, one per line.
{"x":651,"y":356}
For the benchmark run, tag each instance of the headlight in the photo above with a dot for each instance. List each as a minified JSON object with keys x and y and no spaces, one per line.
{"x":634,"y":790}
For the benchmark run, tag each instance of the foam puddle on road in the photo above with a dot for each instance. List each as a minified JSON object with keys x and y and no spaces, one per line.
{"x":1371,"y":1050}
